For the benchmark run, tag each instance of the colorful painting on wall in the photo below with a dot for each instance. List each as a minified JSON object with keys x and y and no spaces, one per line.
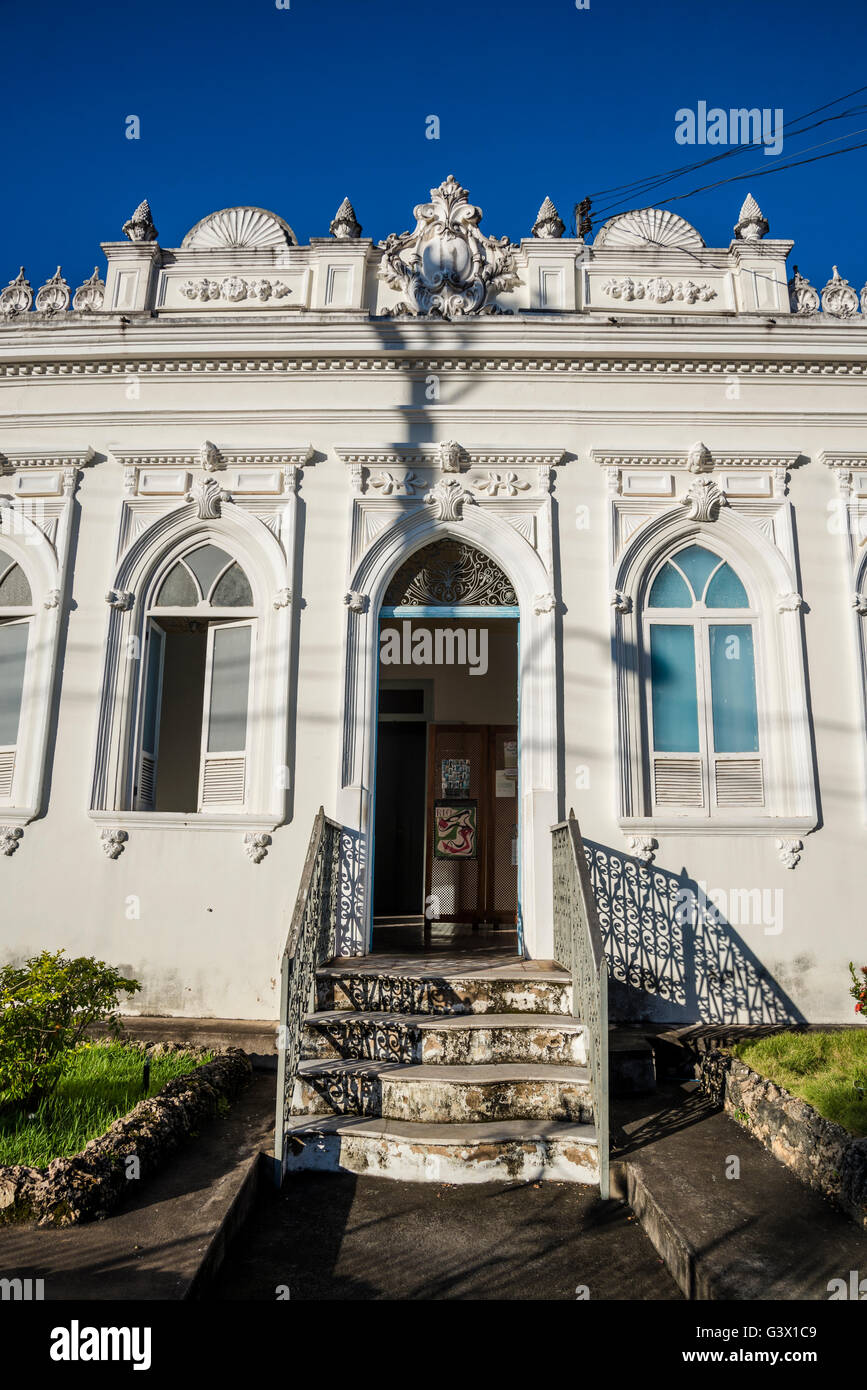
{"x":455,"y":829}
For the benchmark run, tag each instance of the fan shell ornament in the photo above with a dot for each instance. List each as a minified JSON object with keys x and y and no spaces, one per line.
{"x":446,"y":268}
{"x":17,"y":297}
{"x":248,"y":228}
{"x":53,"y":297}
{"x":90,"y":295}
{"x":648,"y":227}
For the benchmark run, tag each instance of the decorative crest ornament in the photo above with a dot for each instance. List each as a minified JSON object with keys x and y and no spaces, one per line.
{"x":699,"y":460}
{"x":346,"y":226}
{"x":207,"y":495}
{"x":838,"y":297}
{"x":210,"y":457}
{"x":256,"y":846}
{"x":495,"y":483}
{"x":703,"y":500}
{"x":356,"y":602}
{"x":803,"y":299}
{"x":113,"y":842}
{"x":789,"y":603}
{"x":140,"y":226}
{"x":10,"y":838}
{"x":53,"y":298}
{"x":448,"y":499}
{"x":451,"y":454}
{"x":752,"y":224}
{"x":446,"y":267}
{"x":859,"y":603}
{"x":549,"y":225}
{"x":643,"y":847}
{"x":90,"y":295}
{"x":121,"y":599}
{"x":544,"y":603}
{"x":620,"y":602}
{"x":790,"y":852}
{"x":17,"y":296}
{"x":282,"y":598}
{"x":52,"y":599}
{"x":386,"y":483}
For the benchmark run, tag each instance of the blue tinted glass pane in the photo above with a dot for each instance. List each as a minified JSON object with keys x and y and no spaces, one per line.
{"x":672,"y":679}
{"x":668,"y":590}
{"x":696,"y":563}
{"x":725,"y":590}
{"x":13,"y":657}
{"x":733,"y":687}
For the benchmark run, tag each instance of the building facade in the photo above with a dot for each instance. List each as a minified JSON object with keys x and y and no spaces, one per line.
{"x":448,"y":535}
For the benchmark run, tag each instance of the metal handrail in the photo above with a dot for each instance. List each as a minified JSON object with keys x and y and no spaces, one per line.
{"x":579,"y":948}
{"x":309,"y":944}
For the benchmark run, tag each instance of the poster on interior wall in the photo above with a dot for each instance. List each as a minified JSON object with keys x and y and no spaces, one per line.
{"x":510,"y":752}
{"x":505,"y":785}
{"x":455,"y":829}
{"x":456,"y":777}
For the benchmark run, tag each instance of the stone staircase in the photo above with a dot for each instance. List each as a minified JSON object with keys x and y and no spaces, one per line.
{"x":465,"y":1071}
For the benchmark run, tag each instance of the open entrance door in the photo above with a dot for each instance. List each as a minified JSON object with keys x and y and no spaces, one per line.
{"x":446,"y":799}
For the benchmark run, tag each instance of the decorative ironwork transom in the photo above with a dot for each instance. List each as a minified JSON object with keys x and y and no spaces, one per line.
{"x":449,"y":572}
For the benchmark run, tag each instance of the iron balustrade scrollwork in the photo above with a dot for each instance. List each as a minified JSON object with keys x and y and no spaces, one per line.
{"x":310,"y":944}
{"x":579,"y":948}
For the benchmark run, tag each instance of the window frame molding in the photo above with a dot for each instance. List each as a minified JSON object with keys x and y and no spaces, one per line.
{"x":849,"y":469}
{"x":36,"y":519}
{"x":269,"y":563}
{"x":755,"y":534}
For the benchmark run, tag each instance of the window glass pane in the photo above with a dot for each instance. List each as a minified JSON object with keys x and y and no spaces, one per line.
{"x":230,"y":680}
{"x":669,"y":590}
{"x":13,"y":654}
{"x":672,"y":679}
{"x":178,"y":590}
{"x":206,"y":563}
{"x":14,"y":588}
{"x":233,"y":590}
{"x":696,"y":563}
{"x":733,"y":686}
{"x":725,"y":590}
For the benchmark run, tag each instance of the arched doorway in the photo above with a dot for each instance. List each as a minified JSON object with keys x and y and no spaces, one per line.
{"x":446,"y":826}
{"x":489,"y":532}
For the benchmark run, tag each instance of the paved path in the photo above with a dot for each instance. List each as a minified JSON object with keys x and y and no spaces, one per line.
{"x":339,"y":1237}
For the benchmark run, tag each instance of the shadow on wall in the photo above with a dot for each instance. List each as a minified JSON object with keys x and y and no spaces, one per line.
{"x":672,"y":955}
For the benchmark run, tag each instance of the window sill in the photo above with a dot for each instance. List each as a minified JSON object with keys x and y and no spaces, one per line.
{"x":712,"y":825}
{"x":180,"y":820}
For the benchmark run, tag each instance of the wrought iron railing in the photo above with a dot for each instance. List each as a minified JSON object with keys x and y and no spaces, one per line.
{"x":310,"y":943}
{"x":579,"y":949}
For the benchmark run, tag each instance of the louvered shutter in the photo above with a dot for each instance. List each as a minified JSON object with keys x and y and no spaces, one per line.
{"x":223,"y":775}
{"x":146,"y":773}
{"x":13,"y":660}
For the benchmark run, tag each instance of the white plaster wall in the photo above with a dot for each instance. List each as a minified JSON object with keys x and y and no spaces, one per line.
{"x":212,"y":924}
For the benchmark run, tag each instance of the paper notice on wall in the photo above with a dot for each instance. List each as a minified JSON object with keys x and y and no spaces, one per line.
{"x":504,"y":784}
{"x":510,"y":753}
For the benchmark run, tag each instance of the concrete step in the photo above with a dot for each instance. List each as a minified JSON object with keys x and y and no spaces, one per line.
{"x":503,"y":1150}
{"x":509,"y":992}
{"x":442,"y":1094}
{"x":449,"y":1040}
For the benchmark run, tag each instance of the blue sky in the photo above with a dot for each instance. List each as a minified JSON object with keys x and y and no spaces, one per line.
{"x":290,"y":109}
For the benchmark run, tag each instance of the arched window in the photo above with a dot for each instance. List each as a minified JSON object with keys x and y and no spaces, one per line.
{"x":703,"y":723}
{"x":193,"y":726}
{"x":16,"y":616}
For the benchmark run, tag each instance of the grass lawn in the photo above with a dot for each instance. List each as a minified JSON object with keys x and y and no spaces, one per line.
{"x":827,"y":1070}
{"x":103,"y":1083}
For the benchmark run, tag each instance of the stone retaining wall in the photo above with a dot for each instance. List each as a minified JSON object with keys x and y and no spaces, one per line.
{"x":821,"y":1153}
{"x":87,"y":1186}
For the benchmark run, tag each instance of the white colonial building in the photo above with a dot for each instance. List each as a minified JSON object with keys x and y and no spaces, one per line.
{"x":448,"y":535}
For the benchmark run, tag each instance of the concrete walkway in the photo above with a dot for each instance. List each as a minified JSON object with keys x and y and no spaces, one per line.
{"x":761,"y":1235}
{"x":339,"y":1237}
{"x":168,"y":1237}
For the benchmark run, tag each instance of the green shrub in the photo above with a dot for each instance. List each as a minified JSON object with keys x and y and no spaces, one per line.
{"x":45,"y":1007}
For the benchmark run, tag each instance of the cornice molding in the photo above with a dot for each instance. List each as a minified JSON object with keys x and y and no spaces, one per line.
{"x":844,"y":459}
{"x":657,"y":459}
{"x":429,"y":456}
{"x":299,"y":457}
{"x":388,"y":362}
{"x":72,"y":458}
